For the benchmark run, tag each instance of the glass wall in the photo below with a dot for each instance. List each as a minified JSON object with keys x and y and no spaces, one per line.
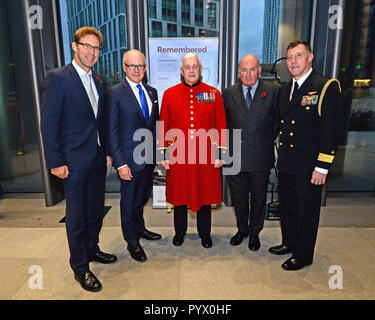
{"x":354,"y":169}
{"x":19,"y":155}
{"x":183,"y":18}
{"x":273,"y":24}
{"x":108,"y":16}
{"x":266,"y":27}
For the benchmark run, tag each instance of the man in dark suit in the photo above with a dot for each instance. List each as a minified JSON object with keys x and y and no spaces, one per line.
{"x":133,"y":107}
{"x":311,"y":117}
{"x":251,"y":105}
{"x":75,"y":150}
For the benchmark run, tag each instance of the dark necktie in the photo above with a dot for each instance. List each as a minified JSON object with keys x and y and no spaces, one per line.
{"x":248,"y":97}
{"x":144,"y":104}
{"x":295,"y":90}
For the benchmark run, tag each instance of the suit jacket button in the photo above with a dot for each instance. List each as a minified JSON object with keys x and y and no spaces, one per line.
{"x":291,"y":134}
{"x":292,"y":146}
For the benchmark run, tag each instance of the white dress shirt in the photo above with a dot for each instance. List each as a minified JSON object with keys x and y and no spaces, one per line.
{"x":82,"y":74}
{"x":133,"y":85}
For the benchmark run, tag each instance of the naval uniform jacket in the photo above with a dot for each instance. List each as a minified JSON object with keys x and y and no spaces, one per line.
{"x":186,"y":109}
{"x":310,"y":125}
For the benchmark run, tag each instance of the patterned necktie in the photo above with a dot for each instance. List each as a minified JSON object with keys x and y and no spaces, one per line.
{"x":94,"y":103}
{"x":248,"y":97}
{"x":295,"y":90}
{"x":144,"y":104}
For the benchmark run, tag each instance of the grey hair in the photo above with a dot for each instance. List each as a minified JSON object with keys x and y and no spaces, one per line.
{"x":133,"y":51}
{"x":190,"y":55}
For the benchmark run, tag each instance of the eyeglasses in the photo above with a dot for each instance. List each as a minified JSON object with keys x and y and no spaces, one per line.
{"x":195,"y":67}
{"x":89,"y":46}
{"x":133,"y":66}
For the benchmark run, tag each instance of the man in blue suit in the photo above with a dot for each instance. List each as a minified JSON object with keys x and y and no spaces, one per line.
{"x":75,"y":150}
{"x":133,"y":109}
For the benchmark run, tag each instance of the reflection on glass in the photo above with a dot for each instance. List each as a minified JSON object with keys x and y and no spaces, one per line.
{"x":183,"y":18}
{"x":358,"y":164}
{"x":109,"y":18}
{"x":19,"y":152}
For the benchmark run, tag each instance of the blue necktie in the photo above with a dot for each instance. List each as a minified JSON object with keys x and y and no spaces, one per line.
{"x":144,"y":104}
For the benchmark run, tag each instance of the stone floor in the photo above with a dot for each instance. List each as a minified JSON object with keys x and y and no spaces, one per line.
{"x":31,"y":238}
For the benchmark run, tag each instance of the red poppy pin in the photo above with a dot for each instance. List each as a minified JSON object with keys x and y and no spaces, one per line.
{"x":100,"y":80}
{"x":264,"y":94}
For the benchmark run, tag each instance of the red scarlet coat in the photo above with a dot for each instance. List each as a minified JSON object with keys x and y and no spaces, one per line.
{"x":187,"y":109}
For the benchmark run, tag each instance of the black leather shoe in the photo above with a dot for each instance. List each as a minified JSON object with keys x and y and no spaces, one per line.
{"x":178,"y":240}
{"x":103,"y":257}
{"x":149,"y":235}
{"x":237,"y":239}
{"x":137,"y":253}
{"x":293,"y":264}
{"x":254,"y":243}
{"x":207,"y":242}
{"x":280,"y":250}
{"x":88,"y":281}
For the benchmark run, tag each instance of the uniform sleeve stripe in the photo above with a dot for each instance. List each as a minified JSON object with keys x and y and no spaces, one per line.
{"x":325,"y":158}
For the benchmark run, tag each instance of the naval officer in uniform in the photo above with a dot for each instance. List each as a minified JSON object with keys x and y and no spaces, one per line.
{"x":311,"y":116}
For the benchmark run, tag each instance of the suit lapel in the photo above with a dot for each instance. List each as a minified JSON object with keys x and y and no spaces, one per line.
{"x":100,"y":90}
{"x":256,"y":102}
{"x":240,"y":100}
{"x":78,"y":85}
{"x":130,"y":94}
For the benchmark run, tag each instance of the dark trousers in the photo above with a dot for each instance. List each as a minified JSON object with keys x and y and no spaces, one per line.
{"x":84,"y":192}
{"x":300,"y":202}
{"x":134,"y":195}
{"x":240,"y":185}
{"x":203,"y":221}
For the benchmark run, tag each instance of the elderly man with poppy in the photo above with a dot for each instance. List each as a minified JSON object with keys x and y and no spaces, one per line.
{"x":194,"y":112}
{"x":251,"y":105}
